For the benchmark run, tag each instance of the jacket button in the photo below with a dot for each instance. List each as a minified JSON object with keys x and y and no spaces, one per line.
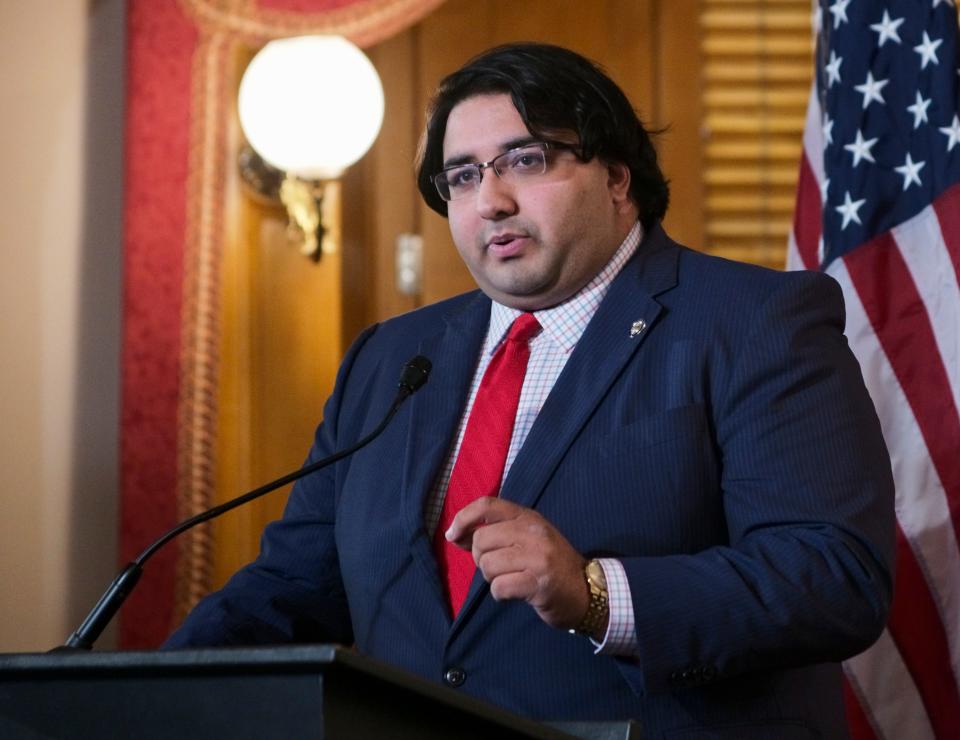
{"x":709,"y":673}
{"x":454,"y":677}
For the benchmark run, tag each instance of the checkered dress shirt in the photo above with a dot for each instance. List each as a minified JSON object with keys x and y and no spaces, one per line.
{"x":563,"y":326}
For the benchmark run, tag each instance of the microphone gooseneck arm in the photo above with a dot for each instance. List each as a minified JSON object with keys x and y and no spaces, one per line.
{"x":414,"y":375}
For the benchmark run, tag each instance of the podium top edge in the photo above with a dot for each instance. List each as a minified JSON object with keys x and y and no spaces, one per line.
{"x":305,"y":657}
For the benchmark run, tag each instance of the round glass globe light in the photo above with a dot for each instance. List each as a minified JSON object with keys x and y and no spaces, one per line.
{"x":311,"y":105}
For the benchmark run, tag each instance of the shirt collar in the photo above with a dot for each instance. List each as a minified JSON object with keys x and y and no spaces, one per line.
{"x":566,"y":322}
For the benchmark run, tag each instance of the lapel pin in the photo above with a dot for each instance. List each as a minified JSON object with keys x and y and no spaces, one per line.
{"x":637,"y":327}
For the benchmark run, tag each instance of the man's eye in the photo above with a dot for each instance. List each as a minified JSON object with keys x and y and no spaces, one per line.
{"x":528,"y":160}
{"x":461,"y":178}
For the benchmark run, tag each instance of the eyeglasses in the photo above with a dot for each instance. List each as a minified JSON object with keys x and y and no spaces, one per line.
{"x":515,"y":165}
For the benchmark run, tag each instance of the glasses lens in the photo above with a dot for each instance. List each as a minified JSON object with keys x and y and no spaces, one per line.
{"x":457,"y":182}
{"x":463,"y":180}
{"x":527,"y":160}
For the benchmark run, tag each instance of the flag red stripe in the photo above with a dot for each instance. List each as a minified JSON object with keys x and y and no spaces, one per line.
{"x":857,"y":722}
{"x":920,"y":637}
{"x":903,"y":328}
{"x":807,"y":216}
{"x":947,"y":208}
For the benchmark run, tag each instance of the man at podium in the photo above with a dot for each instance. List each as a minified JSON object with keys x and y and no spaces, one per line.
{"x":641,"y":482}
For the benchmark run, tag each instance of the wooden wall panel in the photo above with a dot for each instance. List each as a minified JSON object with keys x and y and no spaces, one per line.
{"x":281,"y":348}
{"x":383,"y":203}
{"x":678,"y":106}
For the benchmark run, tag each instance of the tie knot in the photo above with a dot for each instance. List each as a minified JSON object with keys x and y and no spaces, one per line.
{"x":524,"y":328}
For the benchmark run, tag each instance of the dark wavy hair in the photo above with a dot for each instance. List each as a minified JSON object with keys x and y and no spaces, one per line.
{"x":554,"y":90}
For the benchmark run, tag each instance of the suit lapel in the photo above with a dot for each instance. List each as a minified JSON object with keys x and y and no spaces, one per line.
{"x":434,"y":415}
{"x":627,"y":315}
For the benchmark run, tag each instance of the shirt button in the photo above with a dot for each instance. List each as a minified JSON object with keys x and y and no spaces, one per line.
{"x":455,"y":677}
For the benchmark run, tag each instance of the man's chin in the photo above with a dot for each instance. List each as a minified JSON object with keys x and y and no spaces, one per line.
{"x":531,"y":299}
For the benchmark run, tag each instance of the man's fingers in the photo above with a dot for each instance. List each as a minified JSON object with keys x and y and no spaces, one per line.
{"x":517,"y":585}
{"x":497,"y":561}
{"x":510,"y":533}
{"x":485,"y":510}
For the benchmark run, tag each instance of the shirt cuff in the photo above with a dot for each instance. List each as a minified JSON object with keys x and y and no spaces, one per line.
{"x":621,"y":637}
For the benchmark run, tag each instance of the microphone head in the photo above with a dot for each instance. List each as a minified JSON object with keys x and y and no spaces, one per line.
{"x":415,"y":374}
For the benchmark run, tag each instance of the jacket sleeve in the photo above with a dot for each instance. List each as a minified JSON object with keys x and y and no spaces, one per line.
{"x":807,"y":494}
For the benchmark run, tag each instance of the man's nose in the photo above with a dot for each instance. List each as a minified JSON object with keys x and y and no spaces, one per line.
{"x":495,"y":198}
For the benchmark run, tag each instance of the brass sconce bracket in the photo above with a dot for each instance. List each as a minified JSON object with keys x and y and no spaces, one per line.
{"x":312,"y":205}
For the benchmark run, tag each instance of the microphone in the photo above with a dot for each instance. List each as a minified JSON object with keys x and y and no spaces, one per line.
{"x":414,"y":375}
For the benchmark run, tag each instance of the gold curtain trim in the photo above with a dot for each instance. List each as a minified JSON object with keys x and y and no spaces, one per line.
{"x":200,"y":327}
{"x":365,"y":23}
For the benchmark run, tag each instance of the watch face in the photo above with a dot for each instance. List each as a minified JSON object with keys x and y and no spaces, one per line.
{"x":596,"y":575}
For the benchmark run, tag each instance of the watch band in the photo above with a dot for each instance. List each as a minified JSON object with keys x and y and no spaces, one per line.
{"x":594,"y":622}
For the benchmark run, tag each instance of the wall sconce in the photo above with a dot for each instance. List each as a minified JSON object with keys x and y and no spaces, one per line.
{"x":309,"y":106}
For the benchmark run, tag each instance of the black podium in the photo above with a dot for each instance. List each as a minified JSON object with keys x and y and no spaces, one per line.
{"x":320,"y":691}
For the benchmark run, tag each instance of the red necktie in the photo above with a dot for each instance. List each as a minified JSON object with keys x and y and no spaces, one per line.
{"x":483,"y":452}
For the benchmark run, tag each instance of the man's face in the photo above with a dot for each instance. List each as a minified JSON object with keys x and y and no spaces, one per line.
{"x":532,"y":244}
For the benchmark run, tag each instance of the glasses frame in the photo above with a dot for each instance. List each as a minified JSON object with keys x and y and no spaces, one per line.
{"x":545,"y":146}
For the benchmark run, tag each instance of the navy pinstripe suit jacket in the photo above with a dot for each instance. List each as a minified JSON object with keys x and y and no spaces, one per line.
{"x":729,"y":455}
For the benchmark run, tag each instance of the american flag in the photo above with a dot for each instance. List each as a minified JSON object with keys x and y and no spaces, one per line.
{"x":878,"y":208}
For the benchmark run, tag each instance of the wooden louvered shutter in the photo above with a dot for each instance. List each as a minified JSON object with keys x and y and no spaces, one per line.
{"x":757,"y":70}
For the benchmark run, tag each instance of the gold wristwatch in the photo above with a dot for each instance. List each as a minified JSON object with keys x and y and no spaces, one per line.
{"x":594,"y":622}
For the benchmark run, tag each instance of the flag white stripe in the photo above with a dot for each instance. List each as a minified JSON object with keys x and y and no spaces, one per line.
{"x":921,"y":501}
{"x":921,"y":244}
{"x":813,"y":146}
{"x":893,"y":703}
{"x":794,"y":261}
{"x":813,"y":141}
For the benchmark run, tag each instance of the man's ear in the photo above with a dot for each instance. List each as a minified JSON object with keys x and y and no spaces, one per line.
{"x":618,"y":182}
